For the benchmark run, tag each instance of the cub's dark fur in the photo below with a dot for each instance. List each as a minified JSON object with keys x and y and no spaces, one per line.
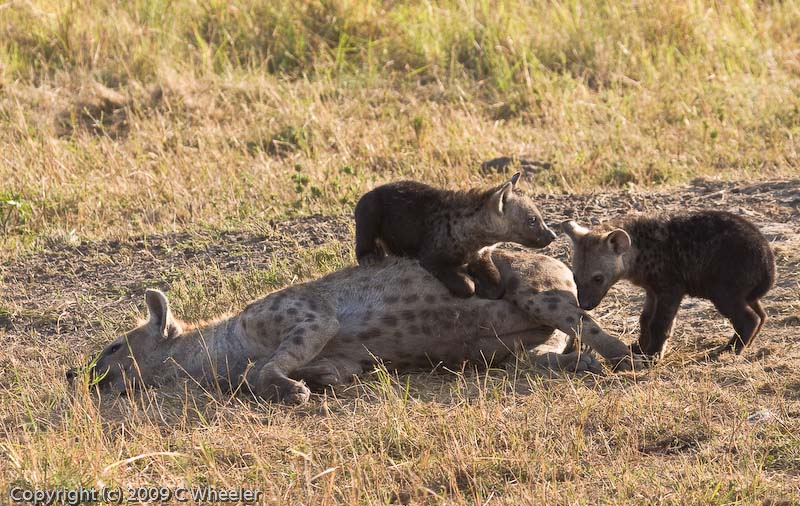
{"x":713,"y":255}
{"x":446,"y":230}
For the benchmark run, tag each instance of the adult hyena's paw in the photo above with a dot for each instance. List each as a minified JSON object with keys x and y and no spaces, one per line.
{"x":587,"y":363}
{"x":286,"y":390}
{"x":296,"y":394}
{"x":576,"y":362}
{"x":318,"y":376}
{"x":631,"y":362}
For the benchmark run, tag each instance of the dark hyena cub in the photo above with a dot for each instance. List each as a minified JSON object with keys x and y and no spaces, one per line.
{"x":714,"y":255}
{"x":450,"y":232}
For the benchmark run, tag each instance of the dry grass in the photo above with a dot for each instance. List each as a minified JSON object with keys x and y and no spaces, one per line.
{"x":679,"y":437}
{"x":677,"y":434}
{"x":149,"y":116}
{"x":216,"y":150}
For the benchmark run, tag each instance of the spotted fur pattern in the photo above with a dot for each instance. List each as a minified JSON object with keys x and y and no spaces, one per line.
{"x":325,"y":331}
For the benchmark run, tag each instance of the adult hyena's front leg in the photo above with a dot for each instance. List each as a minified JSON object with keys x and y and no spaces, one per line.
{"x":558,"y":308}
{"x":307,"y":327}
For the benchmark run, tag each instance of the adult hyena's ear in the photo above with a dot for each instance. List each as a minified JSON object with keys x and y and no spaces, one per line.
{"x":573,"y":230}
{"x":498,"y":199}
{"x":618,"y":241}
{"x":160,"y":315}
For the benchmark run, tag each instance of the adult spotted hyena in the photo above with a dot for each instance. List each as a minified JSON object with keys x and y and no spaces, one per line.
{"x":714,"y":255}
{"x":324,"y":331}
{"x":447,"y":230}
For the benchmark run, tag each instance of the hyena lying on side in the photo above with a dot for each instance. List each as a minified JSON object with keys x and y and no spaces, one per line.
{"x":714,"y":255}
{"x":448,"y":230}
{"x":324,"y":331}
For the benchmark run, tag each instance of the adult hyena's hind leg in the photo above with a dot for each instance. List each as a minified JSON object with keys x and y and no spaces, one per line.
{"x":304,"y":326}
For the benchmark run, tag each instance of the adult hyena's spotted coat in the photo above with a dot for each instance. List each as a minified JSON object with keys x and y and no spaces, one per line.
{"x":324,"y":331}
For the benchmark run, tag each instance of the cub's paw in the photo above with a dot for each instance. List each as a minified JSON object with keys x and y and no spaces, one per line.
{"x":370,"y":259}
{"x":650,"y":358}
{"x":489,"y":291}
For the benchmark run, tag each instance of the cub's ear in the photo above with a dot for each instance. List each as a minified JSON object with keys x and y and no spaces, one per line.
{"x":618,"y":241}
{"x":515,"y":178}
{"x":573,"y":230}
{"x":160,"y":315}
{"x":497,"y":201}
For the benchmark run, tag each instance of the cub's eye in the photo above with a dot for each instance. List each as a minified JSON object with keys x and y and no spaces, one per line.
{"x":114,"y":349}
{"x":533,"y":220}
{"x":597,"y":279}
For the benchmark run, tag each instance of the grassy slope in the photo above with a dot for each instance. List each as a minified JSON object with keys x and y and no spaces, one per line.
{"x":143,"y":117}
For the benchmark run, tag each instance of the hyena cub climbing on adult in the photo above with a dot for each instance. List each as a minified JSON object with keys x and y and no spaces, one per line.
{"x":449,"y":232}
{"x":714,"y":255}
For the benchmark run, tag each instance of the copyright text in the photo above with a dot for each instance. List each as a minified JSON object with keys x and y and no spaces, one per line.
{"x":132,"y":495}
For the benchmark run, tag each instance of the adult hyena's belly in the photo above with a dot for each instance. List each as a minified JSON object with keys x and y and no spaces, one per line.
{"x":412,"y":320}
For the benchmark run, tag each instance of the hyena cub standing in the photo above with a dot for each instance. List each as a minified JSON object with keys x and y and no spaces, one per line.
{"x":448,"y":231}
{"x":714,"y":255}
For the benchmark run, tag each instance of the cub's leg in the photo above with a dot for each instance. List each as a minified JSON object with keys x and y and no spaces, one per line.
{"x":488,"y":280}
{"x":644,"y":323}
{"x":756,"y":306}
{"x":300,"y":340}
{"x":745,"y":320}
{"x":368,"y":227}
{"x":660,"y":327}
{"x":454,"y":278}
